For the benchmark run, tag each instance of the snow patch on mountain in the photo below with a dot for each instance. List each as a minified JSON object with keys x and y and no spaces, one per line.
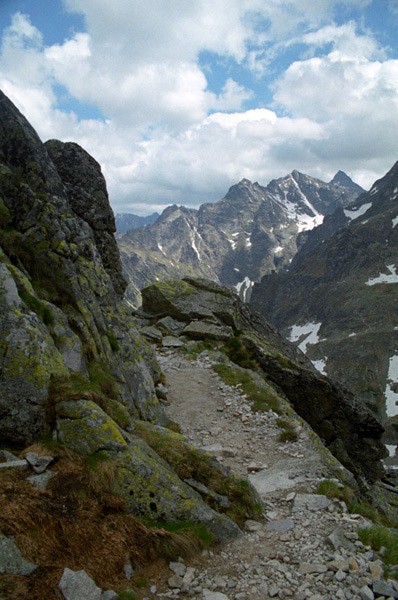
{"x":243,"y":289}
{"x":390,"y":393}
{"x":320,"y":365}
{"x":383,"y":278}
{"x":395,"y":222}
{"x":391,"y":450}
{"x":357,"y":212}
{"x":294,"y":212}
{"x":310,"y":330}
{"x":195,"y":232}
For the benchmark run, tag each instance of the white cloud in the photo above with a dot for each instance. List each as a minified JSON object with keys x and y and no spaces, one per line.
{"x":138,"y":63}
{"x":232,"y":96}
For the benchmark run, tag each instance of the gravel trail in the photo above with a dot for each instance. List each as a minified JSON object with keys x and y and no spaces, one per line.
{"x":306,"y":547}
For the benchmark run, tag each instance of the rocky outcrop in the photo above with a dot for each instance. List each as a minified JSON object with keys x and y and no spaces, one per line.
{"x":347,"y":428}
{"x":72,"y":362}
{"x":62,"y":286}
{"x":88,"y":196}
{"x":253,"y":230}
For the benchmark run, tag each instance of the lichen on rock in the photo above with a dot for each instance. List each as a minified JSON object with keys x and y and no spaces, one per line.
{"x":63,"y":284}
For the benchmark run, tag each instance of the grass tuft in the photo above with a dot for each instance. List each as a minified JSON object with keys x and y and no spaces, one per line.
{"x":288,"y":435}
{"x":43,"y":311}
{"x":261,"y":399}
{"x":378,"y":537}
{"x":332,"y":490}
{"x":78,"y":521}
{"x":127,"y":595}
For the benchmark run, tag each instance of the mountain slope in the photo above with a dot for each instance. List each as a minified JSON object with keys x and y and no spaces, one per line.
{"x":251,"y":231}
{"x":127,"y":221}
{"x":339,"y":301}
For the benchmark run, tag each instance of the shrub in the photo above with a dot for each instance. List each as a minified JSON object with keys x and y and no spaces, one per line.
{"x":239,"y":354}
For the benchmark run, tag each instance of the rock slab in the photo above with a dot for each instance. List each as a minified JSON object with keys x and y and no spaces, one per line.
{"x":77,"y":585}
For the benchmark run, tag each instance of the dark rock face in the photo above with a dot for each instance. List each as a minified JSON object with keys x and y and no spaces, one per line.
{"x":88,"y":196}
{"x":348,"y":429}
{"x":61,"y":282}
{"x":345,"y":284}
{"x":253,"y":230}
{"x":346,"y":182}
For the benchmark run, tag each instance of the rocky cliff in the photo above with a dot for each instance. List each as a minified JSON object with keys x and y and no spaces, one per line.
{"x":253,"y":230}
{"x":338,"y":302}
{"x":73,"y":365}
{"x":62,"y":305}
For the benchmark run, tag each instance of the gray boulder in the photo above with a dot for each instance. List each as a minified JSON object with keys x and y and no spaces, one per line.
{"x":77,"y":585}
{"x":11,"y":559}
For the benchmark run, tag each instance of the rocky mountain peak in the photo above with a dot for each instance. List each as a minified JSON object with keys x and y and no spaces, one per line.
{"x":253,"y":230}
{"x":343,"y":180}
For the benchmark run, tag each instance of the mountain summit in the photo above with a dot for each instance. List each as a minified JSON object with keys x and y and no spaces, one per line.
{"x":345,"y":181}
{"x":252,"y":231}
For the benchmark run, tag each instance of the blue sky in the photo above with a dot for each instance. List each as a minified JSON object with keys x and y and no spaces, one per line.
{"x":179,"y":100}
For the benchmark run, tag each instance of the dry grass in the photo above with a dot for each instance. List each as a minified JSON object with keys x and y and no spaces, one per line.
{"x":77,"y":522}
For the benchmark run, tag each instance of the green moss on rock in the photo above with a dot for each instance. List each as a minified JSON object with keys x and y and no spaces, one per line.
{"x":85,"y":428}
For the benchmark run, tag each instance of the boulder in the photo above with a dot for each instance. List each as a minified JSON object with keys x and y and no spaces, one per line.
{"x":11,"y":559}
{"x":76,"y":585}
{"x":85,"y":428}
{"x":147,"y":484}
{"x":150,"y":487}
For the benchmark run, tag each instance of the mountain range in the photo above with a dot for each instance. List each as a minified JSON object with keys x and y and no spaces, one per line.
{"x":252,"y":231}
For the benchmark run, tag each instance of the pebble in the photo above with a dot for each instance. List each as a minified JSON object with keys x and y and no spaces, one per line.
{"x":178,"y":568}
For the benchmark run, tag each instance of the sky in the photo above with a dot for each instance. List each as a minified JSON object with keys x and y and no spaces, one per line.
{"x":180,"y":99}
